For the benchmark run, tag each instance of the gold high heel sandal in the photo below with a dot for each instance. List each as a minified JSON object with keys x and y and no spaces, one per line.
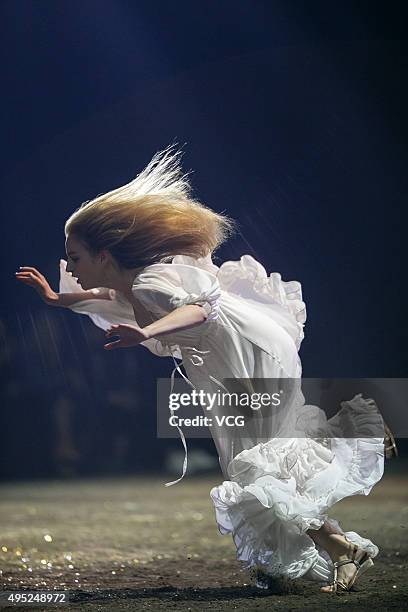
{"x":362,"y":564}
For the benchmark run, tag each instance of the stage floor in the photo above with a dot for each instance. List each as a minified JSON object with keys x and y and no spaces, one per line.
{"x":133,"y":544}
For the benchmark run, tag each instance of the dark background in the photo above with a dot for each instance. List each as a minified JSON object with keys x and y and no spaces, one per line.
{"x":293,"y":116}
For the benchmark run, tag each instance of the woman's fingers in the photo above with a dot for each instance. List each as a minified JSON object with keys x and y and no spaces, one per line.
{"x":27,"y":277}
{"x":111,"y":332}
{"x":128,"y":336}
{"x":112,"y":345}
{"x":25,"y":274}
{"x":33,"y":271}
{"x":29,"y":268}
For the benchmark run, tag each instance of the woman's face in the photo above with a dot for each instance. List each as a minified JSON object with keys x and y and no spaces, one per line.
{"x":88,"y":269}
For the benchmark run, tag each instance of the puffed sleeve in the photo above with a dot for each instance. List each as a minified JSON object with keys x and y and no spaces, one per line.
{"x":164,"y":287}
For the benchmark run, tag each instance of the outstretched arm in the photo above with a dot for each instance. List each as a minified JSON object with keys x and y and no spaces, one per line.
{"x":180,"y":318}
{"x":69,"y":299}
{"x":184,"y":317}
{"x":32,"y":277}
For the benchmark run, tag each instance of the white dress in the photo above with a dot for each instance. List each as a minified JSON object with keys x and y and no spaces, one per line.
{"x":277,"y":485}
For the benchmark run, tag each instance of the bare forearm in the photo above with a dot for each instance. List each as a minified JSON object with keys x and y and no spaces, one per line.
{"x":66,"y":300}
{"x":181,"y":318}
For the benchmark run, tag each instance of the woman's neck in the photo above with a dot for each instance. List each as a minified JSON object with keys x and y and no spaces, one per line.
{"x":122,"y":280}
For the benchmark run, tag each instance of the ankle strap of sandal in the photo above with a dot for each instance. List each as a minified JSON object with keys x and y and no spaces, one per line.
{"x":354,"y":550}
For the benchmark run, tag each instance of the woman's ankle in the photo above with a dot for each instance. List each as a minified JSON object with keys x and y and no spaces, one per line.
{"x":337,"y":546}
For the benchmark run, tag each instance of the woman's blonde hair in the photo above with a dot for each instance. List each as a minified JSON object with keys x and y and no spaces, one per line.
{"x":151,"y":219}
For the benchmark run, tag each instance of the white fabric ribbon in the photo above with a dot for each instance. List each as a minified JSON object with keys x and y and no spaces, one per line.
{"x":199,"y":362}
{"x":196,"y":360}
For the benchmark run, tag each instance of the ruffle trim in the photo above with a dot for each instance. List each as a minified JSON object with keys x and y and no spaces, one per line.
{"x":209,"y":300}
{"x":288,"y":294}
{"x":274,"y":482}
{"x":239,"y":513}
{"x":275,"y":473}
{"x":249,"y":279}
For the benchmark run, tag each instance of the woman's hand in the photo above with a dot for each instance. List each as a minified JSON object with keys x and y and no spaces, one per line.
{"x":129,"y":335}
{"x":34,"y":278}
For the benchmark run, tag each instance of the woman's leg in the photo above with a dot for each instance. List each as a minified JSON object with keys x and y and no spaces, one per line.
{"x":331,"y":540}
{"x":337,"y":547}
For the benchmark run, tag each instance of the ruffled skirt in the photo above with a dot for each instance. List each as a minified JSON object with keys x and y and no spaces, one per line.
{"x":281,"y":488}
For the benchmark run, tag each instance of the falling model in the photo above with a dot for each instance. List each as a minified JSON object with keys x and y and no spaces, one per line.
{"x":139,"y":264}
